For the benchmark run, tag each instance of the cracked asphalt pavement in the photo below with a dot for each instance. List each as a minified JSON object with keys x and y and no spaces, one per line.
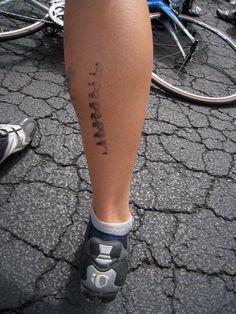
{"x":183,"y":246}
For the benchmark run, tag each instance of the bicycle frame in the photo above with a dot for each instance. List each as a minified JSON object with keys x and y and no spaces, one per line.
{"x":167,"y":17}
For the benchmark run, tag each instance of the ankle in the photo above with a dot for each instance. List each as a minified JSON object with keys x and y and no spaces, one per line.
{"x":112,"y":214}
{"x":113,"y":228}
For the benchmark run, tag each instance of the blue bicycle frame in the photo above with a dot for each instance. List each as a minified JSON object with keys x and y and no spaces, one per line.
{"x":166,"y":16}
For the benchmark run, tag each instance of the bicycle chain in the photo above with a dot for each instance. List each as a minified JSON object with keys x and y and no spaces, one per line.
{"x":23,"y":17}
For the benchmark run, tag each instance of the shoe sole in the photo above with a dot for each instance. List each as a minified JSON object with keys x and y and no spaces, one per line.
{"x":91,"y":296}
{"x":226,"y":20}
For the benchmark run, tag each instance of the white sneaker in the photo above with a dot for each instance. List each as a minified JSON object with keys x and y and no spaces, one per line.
{"x":15,"y":136}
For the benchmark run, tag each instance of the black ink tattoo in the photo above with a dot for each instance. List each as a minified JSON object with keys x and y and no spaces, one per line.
{"x":95,"y":107}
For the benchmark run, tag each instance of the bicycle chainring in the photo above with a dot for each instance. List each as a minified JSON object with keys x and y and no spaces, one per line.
{"x":56,"y":11}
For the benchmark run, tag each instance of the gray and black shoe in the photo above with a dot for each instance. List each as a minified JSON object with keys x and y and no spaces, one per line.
{"x":227,"y":15}
{"x":193,"y":10}
{"x":104,"y":267}
{"x":15,"y":136}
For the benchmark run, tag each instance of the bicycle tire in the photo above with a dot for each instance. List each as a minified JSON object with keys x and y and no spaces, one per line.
{"x":19,"y":19}
{"x":185,"y":90}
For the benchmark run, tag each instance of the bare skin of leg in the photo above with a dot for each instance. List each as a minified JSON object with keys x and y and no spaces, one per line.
{"x":108,"y":59}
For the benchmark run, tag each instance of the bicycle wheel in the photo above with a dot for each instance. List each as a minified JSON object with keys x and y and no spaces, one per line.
{"x":210,"y":74}
{"x":21,"y":18}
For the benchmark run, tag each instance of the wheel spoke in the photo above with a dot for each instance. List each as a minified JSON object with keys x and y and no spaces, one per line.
{"x":209,"y":66}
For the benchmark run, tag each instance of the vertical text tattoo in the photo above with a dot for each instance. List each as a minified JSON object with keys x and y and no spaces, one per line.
{"x":95,"y":107}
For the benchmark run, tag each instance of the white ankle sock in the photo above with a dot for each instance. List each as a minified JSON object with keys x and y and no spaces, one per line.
{"x":118,"y":229}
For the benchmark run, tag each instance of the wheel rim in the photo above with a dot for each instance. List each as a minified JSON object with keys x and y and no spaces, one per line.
{"x":19,"y":17}
{"x":209,"y":77}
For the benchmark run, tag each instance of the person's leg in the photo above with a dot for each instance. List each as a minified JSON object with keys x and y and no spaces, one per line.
{"x":108,"y":59}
